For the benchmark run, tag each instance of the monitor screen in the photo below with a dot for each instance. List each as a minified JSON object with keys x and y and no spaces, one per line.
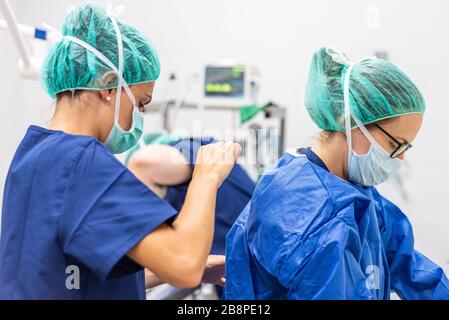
{"x":224,"y":81}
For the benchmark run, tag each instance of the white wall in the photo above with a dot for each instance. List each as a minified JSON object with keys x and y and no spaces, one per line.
{"x":280,"y":37}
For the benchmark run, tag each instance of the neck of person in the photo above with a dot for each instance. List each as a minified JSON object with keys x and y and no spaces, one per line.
{"x":333,"y":151}
{"x":74,"y":118}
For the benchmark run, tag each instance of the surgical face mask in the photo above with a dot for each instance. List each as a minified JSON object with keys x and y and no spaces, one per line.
{"x":372,"y":168}
{"x":119,"y":140}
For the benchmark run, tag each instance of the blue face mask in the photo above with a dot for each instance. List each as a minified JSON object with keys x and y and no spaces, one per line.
{"x":372,"y":168}
{"x":119,"y":140}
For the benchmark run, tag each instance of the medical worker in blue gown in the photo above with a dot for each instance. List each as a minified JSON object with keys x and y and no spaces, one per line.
{"x":316,"y":227}
{"x":76,"y":223}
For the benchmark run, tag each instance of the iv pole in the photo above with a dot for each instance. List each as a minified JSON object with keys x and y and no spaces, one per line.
{"x":29,"y":66}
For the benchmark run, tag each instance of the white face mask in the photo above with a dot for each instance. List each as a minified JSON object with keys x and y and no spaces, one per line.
{"x":376,"y":166}
{"x":119,"y":140}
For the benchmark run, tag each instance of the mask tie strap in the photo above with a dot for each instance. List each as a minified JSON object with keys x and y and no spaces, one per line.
{"x":120,"y":70}
{"x":100,"y":56}
{"x":346,"y":98}
{"x":347,"y":106}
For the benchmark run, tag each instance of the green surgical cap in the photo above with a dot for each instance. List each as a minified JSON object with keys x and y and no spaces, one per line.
{"x":378,"y":91}
{"x":69,"y":66}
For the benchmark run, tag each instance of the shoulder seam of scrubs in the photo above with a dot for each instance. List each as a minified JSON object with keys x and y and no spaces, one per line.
{"x":75,"y":162}
{"x":94,"y":142}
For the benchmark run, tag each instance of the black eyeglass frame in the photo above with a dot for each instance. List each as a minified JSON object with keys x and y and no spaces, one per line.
{"x":402,"y":146}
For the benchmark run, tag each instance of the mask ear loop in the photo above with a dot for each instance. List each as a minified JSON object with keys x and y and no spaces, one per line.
{"x":348,"y":117}
{"x":365,"y":131}
{"x":371,"y":138}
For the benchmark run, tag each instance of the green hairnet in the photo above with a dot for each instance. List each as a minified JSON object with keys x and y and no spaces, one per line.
{"x":378,"y":90}
{"x":150,"y":138}
{"x":69,"y":66}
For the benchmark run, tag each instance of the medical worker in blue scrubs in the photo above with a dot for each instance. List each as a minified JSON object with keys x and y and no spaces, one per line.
{"x":76,"y":224}
{"x":165,"y":164}
{"x":316,"y":226}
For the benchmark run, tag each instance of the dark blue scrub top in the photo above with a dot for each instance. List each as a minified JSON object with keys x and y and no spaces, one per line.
{"x":232,"y":197}
{"x":69,"y":205}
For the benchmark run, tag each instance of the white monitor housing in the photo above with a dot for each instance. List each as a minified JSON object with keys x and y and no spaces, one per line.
{"x":228,"y":84}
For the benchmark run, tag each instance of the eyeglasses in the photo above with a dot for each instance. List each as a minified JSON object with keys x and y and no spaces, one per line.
{"x":401,"y":146}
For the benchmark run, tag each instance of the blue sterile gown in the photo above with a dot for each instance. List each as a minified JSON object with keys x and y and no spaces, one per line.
{"x":307,"y":234}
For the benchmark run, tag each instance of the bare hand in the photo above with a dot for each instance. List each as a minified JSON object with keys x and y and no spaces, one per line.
{"x":215,"y":270}
{"x":216,"y":160}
